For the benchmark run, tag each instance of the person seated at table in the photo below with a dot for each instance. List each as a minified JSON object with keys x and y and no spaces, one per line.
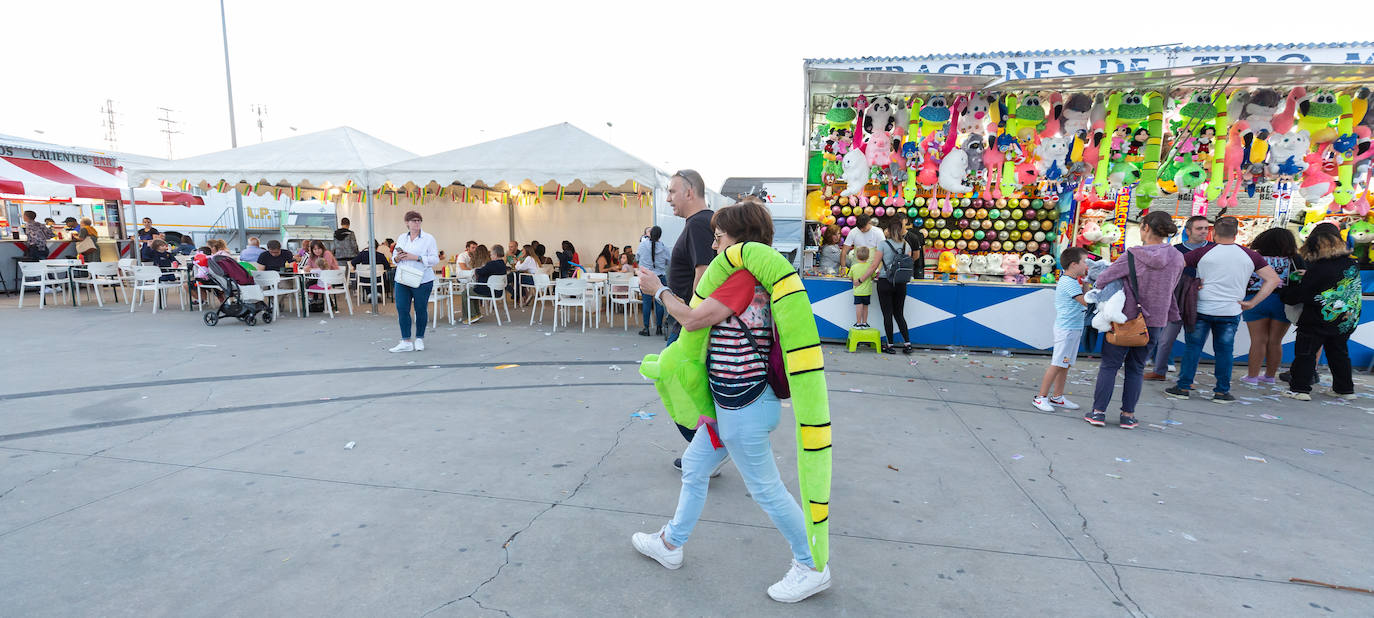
{"x":364,"y":257}
{"x":566,"y":260}
{"x":443,"y":259}
{"x":71,"y":225}
{"x":319,"y":258}
{"x":629,"y":252}
{"x":465,"y":258}
{"x":494,"y":263}
{"x":162,"y":257}
{"x":525,"y":269}
{"x":146,"y":253}
{"x":186,"y":247}
{"x":274,"y":258}
{"x":626,"y":264}
{"x":512,"y":253}
{"x":388,"y":247}
{"x":539,"y":251}
{"x":252,"y":251}
{"x":608,"y":261}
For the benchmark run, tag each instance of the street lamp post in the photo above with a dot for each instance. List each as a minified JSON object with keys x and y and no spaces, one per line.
{"x":233,"y":129}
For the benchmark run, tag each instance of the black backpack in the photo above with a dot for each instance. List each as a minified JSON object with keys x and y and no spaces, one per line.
{"x":899,"y":273}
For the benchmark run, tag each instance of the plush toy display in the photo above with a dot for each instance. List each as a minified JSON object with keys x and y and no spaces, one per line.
{"x":975,"y":159}
{"x":679,"y":375}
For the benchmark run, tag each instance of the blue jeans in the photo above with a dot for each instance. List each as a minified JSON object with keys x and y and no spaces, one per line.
{"x":745,"y":434}
{"x":657,"y":309}
{"x":1223,"y":331}
{"x":1113,"y":359}
{"x":404,"y":296}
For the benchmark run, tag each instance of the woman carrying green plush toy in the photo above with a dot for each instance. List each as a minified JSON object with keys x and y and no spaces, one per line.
{"x":739,"y":316}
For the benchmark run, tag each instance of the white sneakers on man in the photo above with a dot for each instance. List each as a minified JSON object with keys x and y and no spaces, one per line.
{"x":403,"y":346}
{"x":651,"y":544}
{"x":419,"y":344}
{"x":800,"y":582}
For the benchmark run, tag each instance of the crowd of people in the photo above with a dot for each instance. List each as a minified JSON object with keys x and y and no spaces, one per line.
{"x":1205,"y":288}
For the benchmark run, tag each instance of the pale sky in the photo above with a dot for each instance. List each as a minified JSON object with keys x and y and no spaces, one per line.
{"x":711,"y":85}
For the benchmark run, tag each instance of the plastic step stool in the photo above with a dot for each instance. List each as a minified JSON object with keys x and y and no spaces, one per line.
{"x":865,"y":335}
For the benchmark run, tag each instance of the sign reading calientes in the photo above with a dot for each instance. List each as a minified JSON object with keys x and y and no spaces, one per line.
{"x":1062,"y":63}
{"x":20,"y":152}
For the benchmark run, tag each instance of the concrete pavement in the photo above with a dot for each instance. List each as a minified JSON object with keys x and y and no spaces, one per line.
{"x":152,"y":465}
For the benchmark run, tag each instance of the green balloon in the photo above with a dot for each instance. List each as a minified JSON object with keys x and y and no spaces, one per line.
{"x":1037,"y":203}
{"x":911,"y":212}
{"x":958,"y":213}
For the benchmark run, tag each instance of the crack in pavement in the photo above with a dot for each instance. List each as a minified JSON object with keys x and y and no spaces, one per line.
{"x":1081,"y":558}
{"x":1064,"y":491}
{"x":505,"y":547}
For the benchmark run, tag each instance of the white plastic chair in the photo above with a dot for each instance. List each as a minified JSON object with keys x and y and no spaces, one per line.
{"x":270,"y":283}
{"x":374,"y":278}
{"x":442,"y":291}
{"x":569,"y":293}
{"x":103,"y":274}
{"x":542,"y":287}
{"x":328,"y":279}
{"x":149,"y":279}
{"x":624,"y":290}
{"x":57,"y":271}
{"x":496,"y":292}
{"x":126,"y":271}
{"x":34,"y":275}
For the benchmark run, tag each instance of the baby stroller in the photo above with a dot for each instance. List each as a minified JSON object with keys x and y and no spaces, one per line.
{"x":242,"y":298}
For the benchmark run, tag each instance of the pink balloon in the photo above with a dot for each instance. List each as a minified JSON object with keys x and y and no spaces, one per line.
{"x":878,"y":212}
{"x":835,"y":210}
{"x":844,"y":231}
{"x":852,"y":220}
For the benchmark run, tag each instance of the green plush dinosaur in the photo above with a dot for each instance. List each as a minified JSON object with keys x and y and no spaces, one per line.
{"x":679,"y":374}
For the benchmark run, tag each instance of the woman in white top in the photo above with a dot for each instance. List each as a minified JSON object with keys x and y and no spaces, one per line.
{"x":525,"y":269}
{"x":414,"y":250}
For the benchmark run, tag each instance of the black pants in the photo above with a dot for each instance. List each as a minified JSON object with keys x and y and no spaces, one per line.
{"x":1304,"y":370}
{"x":892,"y":299}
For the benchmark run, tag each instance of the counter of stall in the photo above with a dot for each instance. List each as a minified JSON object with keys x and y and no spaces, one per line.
{"x":12,"y":251}
{"x":972,"y":314}
{"x":1018,"y":317}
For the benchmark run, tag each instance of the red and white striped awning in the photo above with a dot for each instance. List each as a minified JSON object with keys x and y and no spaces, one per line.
{"x":64,"y":180}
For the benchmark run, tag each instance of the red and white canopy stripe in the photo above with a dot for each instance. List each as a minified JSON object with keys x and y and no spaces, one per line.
{"x":64,"y":180}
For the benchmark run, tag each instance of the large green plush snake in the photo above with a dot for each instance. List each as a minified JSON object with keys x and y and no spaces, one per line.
{"x":679,"y":374}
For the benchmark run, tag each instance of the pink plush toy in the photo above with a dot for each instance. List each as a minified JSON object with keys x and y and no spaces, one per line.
{"x":1316,"y":183}
{"x":1011,"y":268}
{"x":878,"y":148}
{"x":1283,"y":122}
{"x":1231,"y":165}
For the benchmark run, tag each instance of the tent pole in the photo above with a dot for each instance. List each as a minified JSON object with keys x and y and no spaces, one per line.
{"x":243,"y":224}
{"x":372,"y":250}
{"x":510,"y":218}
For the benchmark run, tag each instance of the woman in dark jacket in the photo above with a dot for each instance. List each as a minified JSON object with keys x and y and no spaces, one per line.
{"x":495,"y":265}
{"x":1329,"y":292}
{"x":566,"y":260}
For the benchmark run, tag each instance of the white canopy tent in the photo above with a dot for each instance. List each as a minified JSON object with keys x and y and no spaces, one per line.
{"x":334,"y":158}
{"x":623,"y":194}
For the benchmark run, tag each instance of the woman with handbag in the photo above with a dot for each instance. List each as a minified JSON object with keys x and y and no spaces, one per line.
{"x":415,"y":255}
{"x":85,"y":242}
{"x":1151,"y":271}
{"x":740,"y":319}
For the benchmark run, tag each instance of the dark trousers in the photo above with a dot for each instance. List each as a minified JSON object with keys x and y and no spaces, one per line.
{"x":419,"y":296}
{"x":892,"y":299}
{"x":1305,"y":350}
{"x":1113,"y":358}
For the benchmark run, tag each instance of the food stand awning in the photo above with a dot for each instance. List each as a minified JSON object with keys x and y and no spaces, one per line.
{"x":1231,"y":75}
{"x":61,"y":180}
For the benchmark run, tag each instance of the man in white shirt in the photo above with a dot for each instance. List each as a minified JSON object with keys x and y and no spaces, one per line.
{"x":862,"y":235}
{"x":465,"y":258}
{"x":1225,"y":269}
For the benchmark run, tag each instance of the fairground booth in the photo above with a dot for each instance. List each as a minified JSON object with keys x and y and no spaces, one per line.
{"x":58,"y":182}
{"x":1000,"y":175}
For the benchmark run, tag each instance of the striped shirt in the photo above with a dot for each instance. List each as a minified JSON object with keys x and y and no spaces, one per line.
{"x":738,"y":373}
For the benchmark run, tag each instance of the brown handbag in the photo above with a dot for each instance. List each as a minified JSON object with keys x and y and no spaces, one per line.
{"x":1132,"y":333}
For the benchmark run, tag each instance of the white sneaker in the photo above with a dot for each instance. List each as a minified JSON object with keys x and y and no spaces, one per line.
{"x":1063,"y":402}
{"x":800,"y":582}
{"x":1345,"y":396}
{"x":419,"y":344}
{"x":1042,"y":403}
{"x":715,"y":473}
{"x":403,"y":346}
{"x":651,"y":544}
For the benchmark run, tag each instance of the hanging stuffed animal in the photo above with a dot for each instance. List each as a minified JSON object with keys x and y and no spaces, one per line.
{"x":953,"y":171}
{"x":973,"y":118}
{"x":878,"y":147}
{"x":929,"y":175}
{"x":1077,"y":115}
{"x":1287,"y":152}
{"x":901,"y":117}
{"x":855,"y":172}
{"x":933,"y":116}
{"x":841,"y":114}
{"x":993,"y":158}
{"x":1258,"y":108}
{"x":1049,"y":158}
{"x":1316,"y":183}
{"x":878,"y":116}
{"x":1133,"y":110}
{"x":1027,"y":119}
{"x":1283,"y":121}
{"x":1319,"y":114}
